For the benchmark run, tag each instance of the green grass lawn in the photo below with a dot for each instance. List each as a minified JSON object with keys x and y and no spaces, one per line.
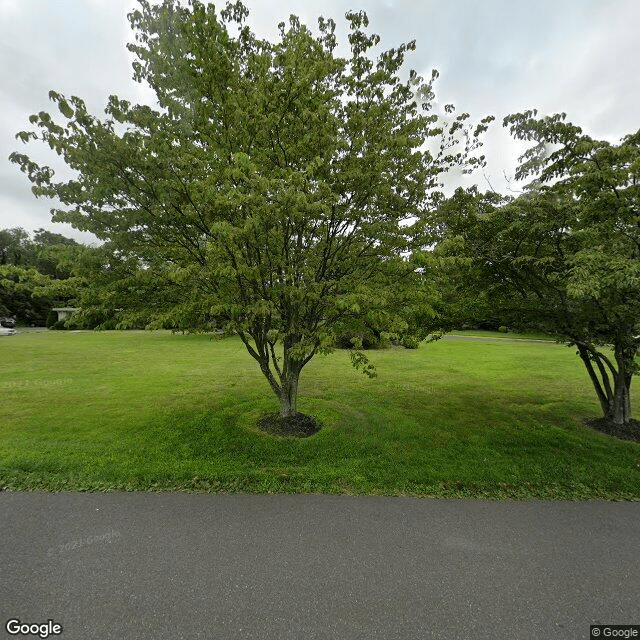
{"x":156,"y":411}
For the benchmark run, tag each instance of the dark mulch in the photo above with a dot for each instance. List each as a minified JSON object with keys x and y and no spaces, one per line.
{"x":298,"y":425}
{"x":628,"y":432}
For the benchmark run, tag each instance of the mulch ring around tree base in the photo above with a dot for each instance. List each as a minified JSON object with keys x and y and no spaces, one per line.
{"x":298,"y":425}
{"x":630,"y":431}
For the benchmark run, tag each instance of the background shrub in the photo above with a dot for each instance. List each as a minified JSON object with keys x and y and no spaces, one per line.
{"x":410,"y":342}
{"x":59,"y":325}
{"x":52,"y":318}
{"x":346,"y":339}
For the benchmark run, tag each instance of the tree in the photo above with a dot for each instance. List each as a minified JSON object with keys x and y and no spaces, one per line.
{"x":563,"y":257}
{"x":19,"y":295}
{"x":49,"y":248}
{"x":15,"y":253}
{"x":15,"y":247}
{"x":266,"y":194}
{"x":31,"y":273}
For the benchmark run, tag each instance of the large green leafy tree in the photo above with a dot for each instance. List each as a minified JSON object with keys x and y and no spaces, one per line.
{"x":31,"y":274}
{"x":563,"y":257}
{"x":268,"y":188}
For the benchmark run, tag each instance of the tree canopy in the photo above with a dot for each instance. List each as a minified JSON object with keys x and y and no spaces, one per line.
{"x":268,"y":190}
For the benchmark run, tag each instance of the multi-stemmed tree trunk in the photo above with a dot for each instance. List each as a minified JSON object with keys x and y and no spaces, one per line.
{"x":282,"y":372}
{"x":612,"y":382}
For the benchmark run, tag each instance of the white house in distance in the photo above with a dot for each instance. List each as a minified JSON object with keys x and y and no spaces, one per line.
{"x":64,"y":313}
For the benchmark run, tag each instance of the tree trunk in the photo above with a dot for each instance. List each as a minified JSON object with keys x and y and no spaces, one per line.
{"x":613,"y":383}
{"x":283,"y":378}
{"x":289,"y":393}
{"x":619,"y":410}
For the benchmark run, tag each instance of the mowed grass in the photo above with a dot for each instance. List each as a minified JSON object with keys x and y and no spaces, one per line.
{"x":154,"y":411}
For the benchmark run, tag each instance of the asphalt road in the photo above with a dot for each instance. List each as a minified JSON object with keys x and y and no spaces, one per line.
{"x":176,"y":566}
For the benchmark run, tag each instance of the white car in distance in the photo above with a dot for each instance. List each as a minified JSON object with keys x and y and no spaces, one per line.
{"x":7,"y":326}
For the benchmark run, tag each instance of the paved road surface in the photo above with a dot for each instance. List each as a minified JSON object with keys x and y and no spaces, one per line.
{"x":172,"y":566}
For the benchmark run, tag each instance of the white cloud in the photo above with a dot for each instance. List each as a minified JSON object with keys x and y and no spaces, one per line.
{"x":8,"y":7}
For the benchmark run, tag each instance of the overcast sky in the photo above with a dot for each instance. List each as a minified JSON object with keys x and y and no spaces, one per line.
{"x":494,"y":57}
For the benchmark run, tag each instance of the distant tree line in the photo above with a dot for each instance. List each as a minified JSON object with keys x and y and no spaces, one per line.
{"x":27,"y":264}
